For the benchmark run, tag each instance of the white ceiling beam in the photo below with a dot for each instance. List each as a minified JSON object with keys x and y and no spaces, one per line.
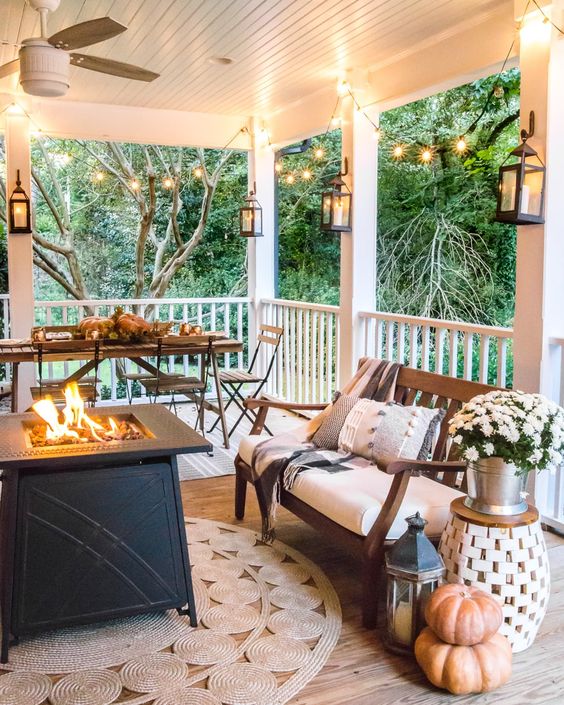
{"x":472,"y":51}
{"x":95,"y":121}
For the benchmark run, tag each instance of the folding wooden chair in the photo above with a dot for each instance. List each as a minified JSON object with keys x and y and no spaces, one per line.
{"x":233,"y":380}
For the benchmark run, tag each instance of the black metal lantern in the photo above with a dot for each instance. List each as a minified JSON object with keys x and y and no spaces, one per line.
{"x":520,"y":197}
{"x":413,"y":569}
{"x":19,"y":209}
{"x":250,"y":216}
{"x":336,"y":205}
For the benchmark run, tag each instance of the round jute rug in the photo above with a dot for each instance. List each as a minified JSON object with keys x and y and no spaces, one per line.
{"x":268,"y":620}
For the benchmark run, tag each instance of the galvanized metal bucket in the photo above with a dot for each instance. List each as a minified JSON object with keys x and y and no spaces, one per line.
{"x":494,"y":487}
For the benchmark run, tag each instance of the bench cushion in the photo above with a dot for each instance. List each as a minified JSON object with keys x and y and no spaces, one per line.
{"x":353,"y":499}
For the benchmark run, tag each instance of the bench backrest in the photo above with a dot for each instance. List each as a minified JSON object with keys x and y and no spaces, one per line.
{"x":437,"y":392}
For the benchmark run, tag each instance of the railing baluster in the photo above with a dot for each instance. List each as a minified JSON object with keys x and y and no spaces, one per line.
{"x":453,"y":353}
{"x":314,"y":356}
{"x":390,"y":340}
{"x":378,"y":339}
{"x":401,"y":343}
{"x":300,"y":353}
{"x":240,"y":335}
{"x":227,"y":329}
{"x":440,"y":334}
{"x":468,"y":341}
{"x":413,"y":345}
{"x":321,"y":356}
{"x":484,"y":358}
{"x":307,"y":369}
{"x":425,"y":347}
{"x":329,"y":375}
{"x":501,"y":362}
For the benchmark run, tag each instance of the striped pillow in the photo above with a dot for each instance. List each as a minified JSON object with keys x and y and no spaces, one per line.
{"x":327,"y":435}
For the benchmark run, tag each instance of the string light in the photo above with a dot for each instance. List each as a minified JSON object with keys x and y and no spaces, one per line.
{"x":426,"y":155}
{"x":278,"y":167}
{"x":99,"y":176}
{"x":168,"y":183}
{"x":335,"y":121}
{"x":65,"y":158}
{"x":134,"y":185}
{"x":377,"y":134}
{"x":198,"y":172}
{"x":343,"y":88}
{"x":398,"y":151}
{"x":290,"y":179}
{"x":461,"y":145}
{"x":306,"y":175}
{"x":319,"y":153}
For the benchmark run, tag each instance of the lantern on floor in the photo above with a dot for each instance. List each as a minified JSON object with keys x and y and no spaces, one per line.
{"x":336,"y":205}
{"x":250,"y":216}
{"x":19,"y":209}
{"x":520,"y":197}
{"x":413,"y":570}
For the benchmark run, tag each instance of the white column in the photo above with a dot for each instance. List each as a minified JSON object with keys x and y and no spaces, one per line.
{"x":358,"y":248}
{"x":260,"y":251}
{"x":20,"y":253}
{"x":539,"y":313}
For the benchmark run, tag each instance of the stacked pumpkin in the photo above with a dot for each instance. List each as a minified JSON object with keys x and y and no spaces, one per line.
{"x":460,"y":649}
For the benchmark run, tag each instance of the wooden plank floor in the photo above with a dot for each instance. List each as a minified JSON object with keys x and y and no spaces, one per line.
{"x":360,"y":670}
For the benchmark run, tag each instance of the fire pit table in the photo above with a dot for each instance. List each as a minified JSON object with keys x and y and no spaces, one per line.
{"x":93,"y":531}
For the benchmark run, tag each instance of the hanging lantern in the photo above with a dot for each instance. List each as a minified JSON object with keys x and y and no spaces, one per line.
{"x":20,"y":209}
{"x":520,"y":197}
{"x":250,"y":216}
{"x":413,"y":570}
{"x":336,"y":205}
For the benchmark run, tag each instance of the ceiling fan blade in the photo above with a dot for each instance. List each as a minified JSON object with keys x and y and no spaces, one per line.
{"x":87,"y":33}
{"x":114,"y":68}
{"x":10,"y":67}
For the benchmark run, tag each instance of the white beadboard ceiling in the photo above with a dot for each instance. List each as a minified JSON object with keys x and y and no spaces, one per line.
{"x":283,"y":50}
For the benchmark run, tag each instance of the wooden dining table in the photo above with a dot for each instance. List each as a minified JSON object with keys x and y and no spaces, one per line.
{"x":91,"y":353}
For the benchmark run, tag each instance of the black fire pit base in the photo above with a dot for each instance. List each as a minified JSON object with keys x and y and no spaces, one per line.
{"x":89,"y":536}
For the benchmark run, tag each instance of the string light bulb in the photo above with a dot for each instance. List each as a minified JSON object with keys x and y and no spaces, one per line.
{"x":168,"y":183}
{"x":278,"y":167}
{"x":290,"y":179}
{"x":461,"y":145}
{"x":198,"y":172}
{"x":306,"y":175}
{"x":319,"y":153}
{"x":398,"y":151}
{"x":134,"y":185}
{"x":377,"y":134}
{"x":99,"y":176}
{"x":335,"y":121}
{"x":426,"y":155}
{"x":65,"y":158}
{"x":342,"y":88}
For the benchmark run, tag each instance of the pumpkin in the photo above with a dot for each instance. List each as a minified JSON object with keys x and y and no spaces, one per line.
{"x":463,"y":615}
{"x":464,"y":669}
{"x":128,"y":325}
{"x":103,"y":325}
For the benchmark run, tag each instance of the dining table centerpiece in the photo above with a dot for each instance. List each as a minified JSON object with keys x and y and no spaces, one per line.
{"x":503,"y":435}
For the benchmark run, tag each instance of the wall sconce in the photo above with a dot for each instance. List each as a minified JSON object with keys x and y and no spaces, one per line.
{"x":250,"y":216}
{"x":19,"y":209}
{"x":520,"y":197}
{"x":336,"y":205}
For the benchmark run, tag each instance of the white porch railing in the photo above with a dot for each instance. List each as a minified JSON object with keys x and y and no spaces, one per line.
{"x":306,"y":368}
{"x":464,"y":350}
{"x":226,"y":314}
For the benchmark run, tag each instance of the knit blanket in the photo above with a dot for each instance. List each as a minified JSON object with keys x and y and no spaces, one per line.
{"x":277,"y":461}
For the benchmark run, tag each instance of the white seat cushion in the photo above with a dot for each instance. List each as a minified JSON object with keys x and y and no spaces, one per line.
{"x":248,"y":443}
{"x":354,"y":498}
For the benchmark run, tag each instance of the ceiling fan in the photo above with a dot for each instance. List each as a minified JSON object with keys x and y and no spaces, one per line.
{"x":44,"y":61}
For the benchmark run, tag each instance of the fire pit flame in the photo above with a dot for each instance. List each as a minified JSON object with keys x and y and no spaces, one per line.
{"x":76,"y":426}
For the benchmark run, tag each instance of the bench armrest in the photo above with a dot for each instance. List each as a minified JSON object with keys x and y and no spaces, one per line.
{"x":393,"y":466}
{"x":251,"y":403}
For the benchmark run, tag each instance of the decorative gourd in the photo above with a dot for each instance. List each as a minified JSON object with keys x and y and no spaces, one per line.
{"x":103,"y":325}
{"x":463,"y":615}
{"x":464,"y":669}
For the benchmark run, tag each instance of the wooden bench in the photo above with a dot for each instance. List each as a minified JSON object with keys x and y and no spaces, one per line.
{"x":413,"y":387}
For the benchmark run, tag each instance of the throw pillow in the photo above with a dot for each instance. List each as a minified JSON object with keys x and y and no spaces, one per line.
{"x":327,"y":435}
{"x":376,"y":430}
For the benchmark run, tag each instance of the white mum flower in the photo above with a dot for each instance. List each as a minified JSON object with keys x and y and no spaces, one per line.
{"x":471,"y":454}
{"x":489,"y":449}
{"x":457,"y":439}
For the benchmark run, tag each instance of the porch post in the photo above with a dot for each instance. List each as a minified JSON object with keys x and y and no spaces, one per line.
{"x":260,"y":251}
{"x":20,"y":252}
{"x":358,"y":248}
{"x":539,"y":313}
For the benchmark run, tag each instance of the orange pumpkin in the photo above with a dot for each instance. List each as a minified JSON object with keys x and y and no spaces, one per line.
{"x":103,"y":325}
{"x":464,"y":669}
{"x":463,"y":615}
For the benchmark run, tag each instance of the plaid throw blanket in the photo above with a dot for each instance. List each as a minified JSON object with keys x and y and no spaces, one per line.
{"x":277,"y":461}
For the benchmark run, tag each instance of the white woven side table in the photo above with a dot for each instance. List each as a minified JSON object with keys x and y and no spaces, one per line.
{"x":505,"y":556}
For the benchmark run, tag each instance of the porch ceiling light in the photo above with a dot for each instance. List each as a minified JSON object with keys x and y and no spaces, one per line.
{"x":250,"y":216}
{"x":520,"y":197}
{"x":20,"y":209}
{"x":336,"y":205}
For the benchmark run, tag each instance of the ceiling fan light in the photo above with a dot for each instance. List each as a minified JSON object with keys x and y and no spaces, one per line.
{"x":44,"y":70}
